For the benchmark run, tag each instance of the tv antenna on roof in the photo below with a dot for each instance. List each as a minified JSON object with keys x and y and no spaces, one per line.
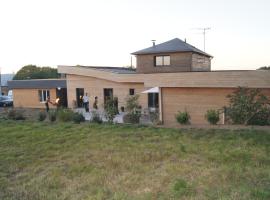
{"x":204,"y":33}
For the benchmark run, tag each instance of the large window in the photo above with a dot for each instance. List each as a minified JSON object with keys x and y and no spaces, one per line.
{"x":108,"y":94}
{"x":43,"y":95}
{"x":152,"y":100}
{"x":162,"y":60}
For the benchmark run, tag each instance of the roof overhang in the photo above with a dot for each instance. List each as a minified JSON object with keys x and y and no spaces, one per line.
{"x":37,"y":84}
{"x":213,"y":79}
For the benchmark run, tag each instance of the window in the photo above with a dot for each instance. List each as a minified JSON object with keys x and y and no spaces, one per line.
{"x":162,"y":60}
{"x":152,"y":100}
{"x":108,"y":94}
{"x":43,"y":95}
{"x":131,"y":91}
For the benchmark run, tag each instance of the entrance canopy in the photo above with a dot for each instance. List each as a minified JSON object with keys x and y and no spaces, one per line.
{"x":152,"y":90}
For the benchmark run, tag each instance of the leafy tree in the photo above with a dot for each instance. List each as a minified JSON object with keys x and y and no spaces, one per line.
{"x":249,"y":106}
{"x":34,"y":72}
{"x":264,"y":68}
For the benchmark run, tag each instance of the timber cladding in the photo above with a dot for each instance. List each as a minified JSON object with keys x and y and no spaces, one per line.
{"x":196,"y":101}
{"x":179,"y":62}
{"x":29,"y":98}
{"x":95,"y":87}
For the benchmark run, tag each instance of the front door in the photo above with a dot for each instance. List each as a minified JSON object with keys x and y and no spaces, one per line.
{"x":79,"y":97}
{"x":61,"y":95}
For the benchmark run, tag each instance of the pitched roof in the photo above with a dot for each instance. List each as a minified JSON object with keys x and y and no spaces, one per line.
{"x":37,"y":84}
{"x":174,"y":45}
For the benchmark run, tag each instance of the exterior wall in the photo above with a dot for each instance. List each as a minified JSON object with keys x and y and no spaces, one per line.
{"x":200,"y":63}
{"x":28,"y":98}
{"x":94,"y":87}
{"x":196,"y":101}
{"x":180,"y":62}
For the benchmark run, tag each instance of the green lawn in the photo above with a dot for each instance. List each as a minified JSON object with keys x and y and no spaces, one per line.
{"x":87,"y":161}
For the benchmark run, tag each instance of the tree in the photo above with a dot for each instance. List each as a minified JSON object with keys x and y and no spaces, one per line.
{"x":34,"y":72}
{"x":264,"y":68}
{"x":249,"y":106}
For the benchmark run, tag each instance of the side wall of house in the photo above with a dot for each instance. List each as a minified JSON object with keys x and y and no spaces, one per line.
{"x":28,"y":98}
{"x":180,"y":62}
{"x":200,"y":63}
{"x":196,"y":101}
{"x":95,"y":87}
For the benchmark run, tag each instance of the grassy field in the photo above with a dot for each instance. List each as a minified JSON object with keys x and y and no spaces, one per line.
{"x":70,"y":161}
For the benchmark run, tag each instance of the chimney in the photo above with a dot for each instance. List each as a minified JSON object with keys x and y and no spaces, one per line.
{"x":185,"y":40}
{"x":154,"y":43}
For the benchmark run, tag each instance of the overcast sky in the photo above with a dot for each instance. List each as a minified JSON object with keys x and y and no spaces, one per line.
{"x":105,"y":32}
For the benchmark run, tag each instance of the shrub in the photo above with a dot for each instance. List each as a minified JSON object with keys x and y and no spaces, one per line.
{"x":111,"y":109}
{"x":96,"y":118}
{"x":183,"y":117}
{"x":132,"y":103}
{"x":261,"y":118}
{"x":248,"y":106}
{"x":154,"y":117}
{"x":212,"y":116}
{"x":134,"y":110}
{"x":15,"y":114}
{"x":65,"y":115}
{"x":42,"y":116}
{"x":78,"y":118}
{"x":52,"y":115}
{"x":132,"y":118}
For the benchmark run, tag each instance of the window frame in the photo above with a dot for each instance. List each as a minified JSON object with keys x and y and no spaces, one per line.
{"x":131,"y":91}
{"x":43,"y":95}
{"x":163,"y":64}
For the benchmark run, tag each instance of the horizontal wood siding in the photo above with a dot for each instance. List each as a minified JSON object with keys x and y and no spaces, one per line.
{"x":28,"y":98}
{"x":179,"y":62}
{"x":94,"y":87}
{"x":196,"y":101}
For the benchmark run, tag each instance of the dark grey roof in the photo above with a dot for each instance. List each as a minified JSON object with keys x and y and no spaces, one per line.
{"x":117,"y":70}
{"x":174,"y":45}
{"x":37,"y":84}
{"x":5,"y":78}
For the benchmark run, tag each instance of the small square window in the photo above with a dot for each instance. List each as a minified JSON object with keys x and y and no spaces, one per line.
{"x":131,"y":91}
{"x":162,"y":60}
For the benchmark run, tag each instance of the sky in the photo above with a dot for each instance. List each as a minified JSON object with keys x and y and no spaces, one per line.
{"x":105,"y":32}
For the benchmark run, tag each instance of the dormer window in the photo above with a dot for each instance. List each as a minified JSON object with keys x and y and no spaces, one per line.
{"x":162,"y":60}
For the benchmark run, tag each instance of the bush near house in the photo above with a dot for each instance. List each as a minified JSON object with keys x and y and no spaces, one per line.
{"x":133,"y":110}
{"x":52,"y":115}
{"x":111,"y":109}
{"x":15,"y":114}
{"x":65,"y":115}
{"x":42,"y":115}
{"x":183,"y":118}
{"x":78,"y":118}
{"x":212,"y":116}
{"x":249,"y":107}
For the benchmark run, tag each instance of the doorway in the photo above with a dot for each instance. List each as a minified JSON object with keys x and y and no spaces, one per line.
{"x":153,"y":102}
{"x":61,"y":95}
{"x":108,"y":94}
{"x":79,"y":97}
